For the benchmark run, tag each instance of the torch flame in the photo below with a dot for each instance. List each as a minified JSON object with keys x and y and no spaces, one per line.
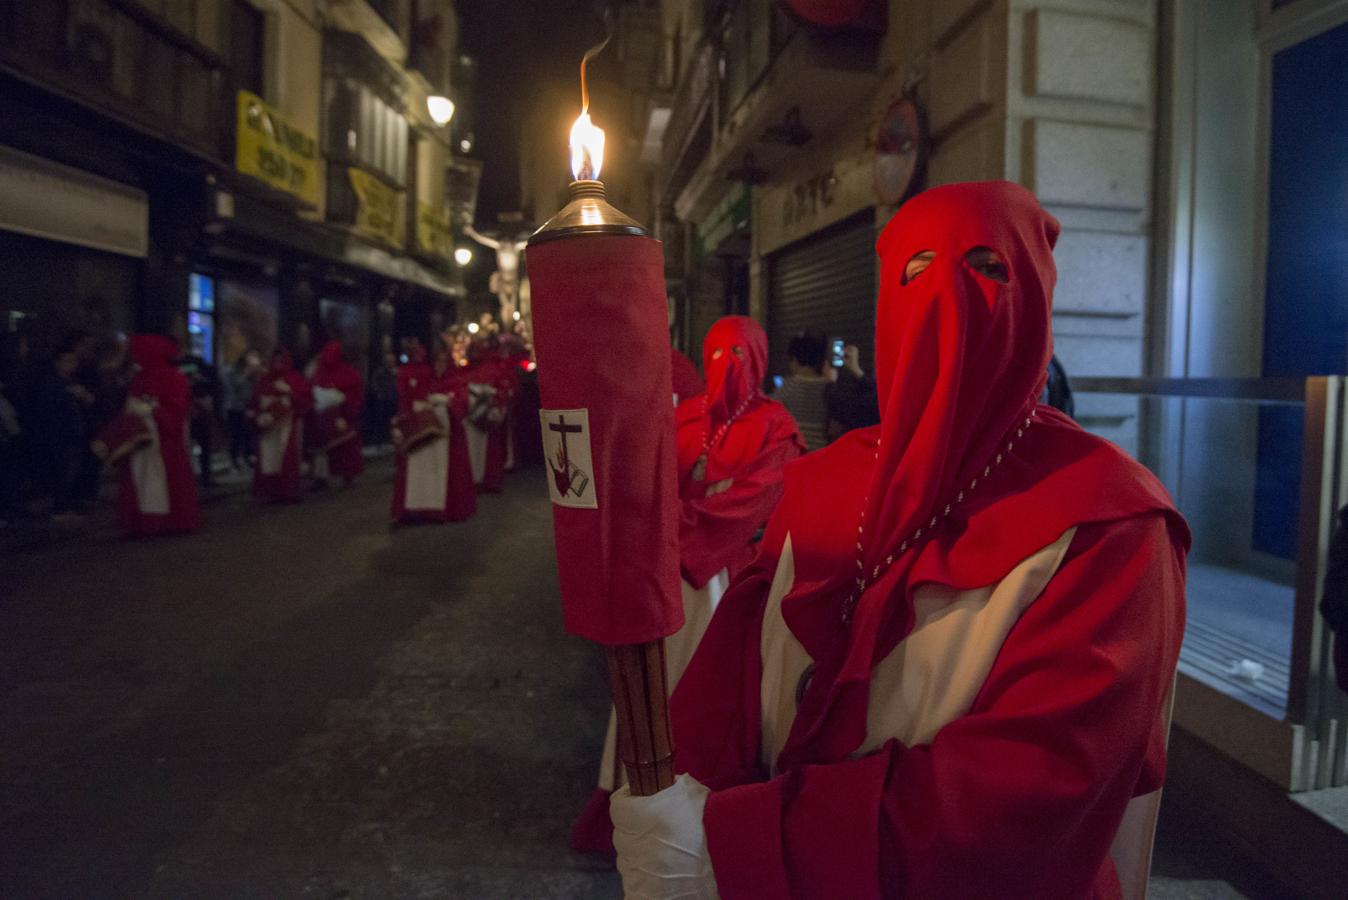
{"x":587,"y":148}
{"x":587,"y":139}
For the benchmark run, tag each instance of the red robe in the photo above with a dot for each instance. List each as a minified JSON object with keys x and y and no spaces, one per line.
{"x":417,"y":382}
{"x":746,"y":438}
{"x":158,"y":493}
{"x":281,"y":392}
{"x":504,"y":377}
{"x":965,"y":478}
{"x":346,"y":460}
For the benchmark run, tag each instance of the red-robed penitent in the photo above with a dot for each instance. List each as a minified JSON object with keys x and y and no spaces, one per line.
{"x":732,"y":443}
{"x":489,"y":437}
{"x":158,"y":493}
{"x":432,"y":482}
{"x":849,"y":750}
{"x":337,"y":419}
{"x":277,"y":409}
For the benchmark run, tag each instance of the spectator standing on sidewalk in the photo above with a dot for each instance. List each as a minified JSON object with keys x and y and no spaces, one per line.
{"x":852,"y":402}
{"x":803,"y":391}
{"x":62,"y":408}
{"x":236,"y":388}
{"x":205,"y":387}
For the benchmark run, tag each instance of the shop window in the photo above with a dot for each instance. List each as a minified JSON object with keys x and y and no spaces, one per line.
{"x":201,"y":317}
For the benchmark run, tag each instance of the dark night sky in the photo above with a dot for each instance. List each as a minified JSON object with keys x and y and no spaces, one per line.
{"x":520,"y":46}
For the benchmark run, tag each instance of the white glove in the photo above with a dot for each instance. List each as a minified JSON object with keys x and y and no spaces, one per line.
{"x":662,"y":848}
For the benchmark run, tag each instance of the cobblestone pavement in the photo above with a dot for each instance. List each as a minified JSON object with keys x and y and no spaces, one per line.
{"x":298,"y":702}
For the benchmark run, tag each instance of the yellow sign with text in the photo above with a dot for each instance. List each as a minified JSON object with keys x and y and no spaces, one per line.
{"x":379,"y":209}
{"x":433,"y":233}
{"x":272,"y":150}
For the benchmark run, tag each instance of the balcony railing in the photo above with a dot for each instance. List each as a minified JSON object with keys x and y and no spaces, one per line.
{"x":117,"y":56}
{"x":1259,"y":467}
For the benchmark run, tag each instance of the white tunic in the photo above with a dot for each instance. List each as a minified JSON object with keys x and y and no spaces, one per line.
{"x":427,"y":482}
{"x":933,"y":675}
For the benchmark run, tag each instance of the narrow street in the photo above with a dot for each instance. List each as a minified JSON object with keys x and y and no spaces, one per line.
{"x":298,"y":702}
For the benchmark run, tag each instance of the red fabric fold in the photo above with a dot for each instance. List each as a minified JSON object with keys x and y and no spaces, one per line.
{"x":601,"y":338}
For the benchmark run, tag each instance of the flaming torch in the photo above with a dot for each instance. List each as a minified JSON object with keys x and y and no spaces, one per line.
{"x":602,"y":345}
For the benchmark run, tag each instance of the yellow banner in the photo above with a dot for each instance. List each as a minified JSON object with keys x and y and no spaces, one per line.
{"x":270,"y":149}
{"x":433,"y":232}
{"x":379,"y":209}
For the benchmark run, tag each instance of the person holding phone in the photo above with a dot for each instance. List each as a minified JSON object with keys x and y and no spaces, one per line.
{"x":851,"y":397}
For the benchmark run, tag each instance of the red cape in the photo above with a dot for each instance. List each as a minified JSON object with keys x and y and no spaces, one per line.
{"x":160,"y":382}
{"x":284,"y":486}
{"x":746,"y":438}
{"x":345,"y":460}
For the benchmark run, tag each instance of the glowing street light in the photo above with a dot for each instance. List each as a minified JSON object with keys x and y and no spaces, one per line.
{"x":463,"y":256}
{"x":440,"y":108}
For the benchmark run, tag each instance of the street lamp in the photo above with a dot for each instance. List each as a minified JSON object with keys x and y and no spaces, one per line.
{"x":440,"y":108}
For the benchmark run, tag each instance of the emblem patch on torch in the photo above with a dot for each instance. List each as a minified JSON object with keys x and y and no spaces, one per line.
{"x":566,"y":447}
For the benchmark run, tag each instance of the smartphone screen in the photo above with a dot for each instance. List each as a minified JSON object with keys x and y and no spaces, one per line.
{"x":836,"y":353}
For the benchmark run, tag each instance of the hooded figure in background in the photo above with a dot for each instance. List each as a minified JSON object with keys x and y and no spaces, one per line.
{"x":280,"y":403}
{"x":733,"y":443}
{"x":149,"y":439}
{"x":433,"y":482}
{"x":946,"y":672}
{"x":339,"y":399}
{"x":492,"y":383}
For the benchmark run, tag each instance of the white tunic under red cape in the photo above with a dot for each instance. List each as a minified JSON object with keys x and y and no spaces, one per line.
{"x":846,"y":756}
{"x":433,"y":482}
{"x":158,"y":493}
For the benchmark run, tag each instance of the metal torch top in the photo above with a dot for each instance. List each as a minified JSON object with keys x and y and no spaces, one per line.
{"x":588,"y":212}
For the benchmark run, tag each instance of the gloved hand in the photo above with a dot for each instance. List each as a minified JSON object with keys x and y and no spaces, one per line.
{"x":662,"y":848}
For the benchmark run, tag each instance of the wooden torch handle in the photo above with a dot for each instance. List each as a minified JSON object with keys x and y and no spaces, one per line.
{"x":641,"y":700}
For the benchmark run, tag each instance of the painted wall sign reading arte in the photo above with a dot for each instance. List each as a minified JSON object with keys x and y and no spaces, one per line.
{"x":566,"y":447}
{"x":807,"y":198}
{"x":379,"y":209}
{"x":271,"y":149}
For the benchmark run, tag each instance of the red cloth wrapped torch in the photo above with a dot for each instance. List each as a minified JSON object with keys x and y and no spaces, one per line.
{"x":602,"y":344}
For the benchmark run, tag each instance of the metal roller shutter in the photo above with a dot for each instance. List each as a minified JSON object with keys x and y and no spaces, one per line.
{"x":825,"y":284}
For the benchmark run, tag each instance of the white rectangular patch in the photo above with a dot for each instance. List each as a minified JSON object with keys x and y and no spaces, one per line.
{"x":566,"y":449}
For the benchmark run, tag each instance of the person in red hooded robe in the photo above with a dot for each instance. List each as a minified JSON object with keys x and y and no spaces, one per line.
{"x":279,"y":405}
{"x":733,"y":443}
{"x":158,"y":493}
{"x":433,"y":482}
{"x":339,"y":399}
{"x":946,"y":672}
{"x":492,"y":382}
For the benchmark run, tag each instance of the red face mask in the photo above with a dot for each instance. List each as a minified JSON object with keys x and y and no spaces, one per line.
{"x":734,"y":358}
{"x":960,"y":355}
